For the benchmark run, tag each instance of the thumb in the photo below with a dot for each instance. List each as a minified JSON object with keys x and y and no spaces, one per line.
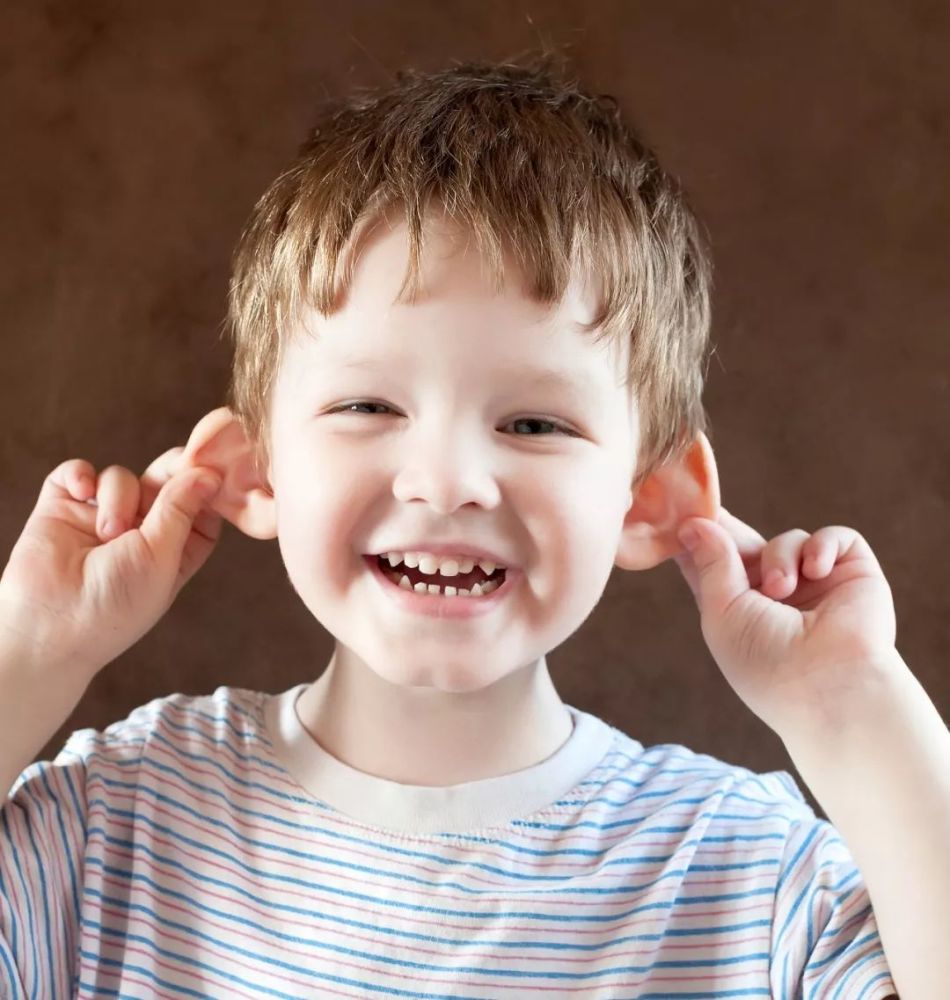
{"x":722,"y":577}
{"x":169,"y":521}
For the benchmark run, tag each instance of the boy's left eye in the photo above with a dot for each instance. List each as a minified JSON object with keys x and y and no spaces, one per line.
{"x":561,"y":428}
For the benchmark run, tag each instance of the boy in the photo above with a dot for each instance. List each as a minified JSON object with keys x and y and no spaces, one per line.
{"x":451,"y":475}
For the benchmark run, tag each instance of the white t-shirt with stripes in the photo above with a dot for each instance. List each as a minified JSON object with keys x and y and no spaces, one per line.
{"x":207,"y":846}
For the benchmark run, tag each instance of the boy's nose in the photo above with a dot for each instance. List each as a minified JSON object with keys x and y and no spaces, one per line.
{"x":447,"y":485}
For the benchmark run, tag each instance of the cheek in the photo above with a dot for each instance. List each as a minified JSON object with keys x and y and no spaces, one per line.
{"x":585,"y":509}
{"x":317,"y":534}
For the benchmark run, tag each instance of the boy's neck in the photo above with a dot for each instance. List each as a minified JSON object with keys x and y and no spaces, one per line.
{"x":423,"y":736}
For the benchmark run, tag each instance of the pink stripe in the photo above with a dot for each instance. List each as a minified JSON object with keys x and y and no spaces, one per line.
{"x":431,"y":977}
{"x":362,"y":883}
{"x":190,"y":888}
{"x":56,"y":885}
{"x":127,"y":979}
{"x":30,"y":973}
{"x":250,"y":827}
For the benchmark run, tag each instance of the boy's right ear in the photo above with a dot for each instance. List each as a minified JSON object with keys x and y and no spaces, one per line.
{"x":219,"y":442}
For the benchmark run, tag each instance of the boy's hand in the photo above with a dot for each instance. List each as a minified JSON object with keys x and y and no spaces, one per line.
{"x":793,"y":649}
{"x":77,"y":600}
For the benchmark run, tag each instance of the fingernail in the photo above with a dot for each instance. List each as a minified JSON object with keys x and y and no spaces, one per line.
{"x":208,"y":486}
{"x":689,"y":537}
{"x":113,"y":526}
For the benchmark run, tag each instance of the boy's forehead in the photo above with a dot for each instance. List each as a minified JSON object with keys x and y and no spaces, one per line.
{"x":455,"y":293}
{"x":452,"y":270}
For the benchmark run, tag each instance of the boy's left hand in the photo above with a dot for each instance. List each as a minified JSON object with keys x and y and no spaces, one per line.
{"x":795,"y":651}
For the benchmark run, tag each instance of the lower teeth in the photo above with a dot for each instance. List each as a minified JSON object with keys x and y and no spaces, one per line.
{"x":478,"y":590}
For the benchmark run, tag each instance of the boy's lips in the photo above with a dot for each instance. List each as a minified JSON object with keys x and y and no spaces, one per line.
{"x":439,"y":605}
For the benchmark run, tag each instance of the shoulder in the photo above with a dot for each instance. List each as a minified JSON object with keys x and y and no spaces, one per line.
{"x":227,"y":715}
{"x":679,"y":769}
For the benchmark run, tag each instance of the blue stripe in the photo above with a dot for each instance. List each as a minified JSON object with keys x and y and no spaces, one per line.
{"x":849,"y":945}
{"x":752,"y":991}
{"x":870,"y":982}
{"x":785,"y":875}
{"x":545,"y":945}
{"x":269,"y":847}
{"x":388,"y":990}
{"x":66,"y":847}
{"x":852,"y":972}
{"x":310,"y":828}
{"x":5,"y":954}
{"x":840,"y":899}
{"x":40,"y":808}
{"x":187,"y":704}
{"x":7,"y":896}
{"x":247,"y":758}
{"x":354,"y":953}
{"x":27,"y":895}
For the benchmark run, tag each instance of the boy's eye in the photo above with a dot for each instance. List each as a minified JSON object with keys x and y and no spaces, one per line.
{"x":561,"y":428}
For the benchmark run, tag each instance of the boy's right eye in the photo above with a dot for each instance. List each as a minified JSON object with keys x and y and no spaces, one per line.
{"x":360,"y":402}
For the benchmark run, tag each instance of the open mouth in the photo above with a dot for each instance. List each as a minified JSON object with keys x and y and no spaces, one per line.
{"x":477,"y":583}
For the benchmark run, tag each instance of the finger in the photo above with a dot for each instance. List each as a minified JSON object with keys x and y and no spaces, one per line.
{"x":781,"y":562}
{"x":826,"y":547}
{"x":207,"y":523}
{"x":167,"y":527}
{"x":156,"y":475}
{"x":74,"y":479}
{"x":749,"y":543}
{"x":721,"y":577}
{"x":117,"y":497}
{"x":744,"y":534}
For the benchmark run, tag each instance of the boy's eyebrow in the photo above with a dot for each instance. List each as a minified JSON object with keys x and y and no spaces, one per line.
{"x":575,"y":384}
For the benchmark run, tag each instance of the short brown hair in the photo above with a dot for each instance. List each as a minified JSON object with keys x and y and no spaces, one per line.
{"x":518,"y":153}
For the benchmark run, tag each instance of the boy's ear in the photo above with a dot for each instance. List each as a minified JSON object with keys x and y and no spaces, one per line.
{"x":688,"y":487}
{"x":219,"y":442}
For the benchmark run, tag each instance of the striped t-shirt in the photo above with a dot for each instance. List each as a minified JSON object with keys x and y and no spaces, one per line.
{"x":209,"y":847}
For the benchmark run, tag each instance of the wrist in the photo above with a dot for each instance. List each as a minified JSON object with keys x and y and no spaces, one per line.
{"x":25,"y":659}
{"x":880,"y":685}
{"x":31,"y":642}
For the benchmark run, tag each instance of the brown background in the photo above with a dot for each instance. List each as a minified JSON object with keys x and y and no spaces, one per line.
{"x":812,"y":137}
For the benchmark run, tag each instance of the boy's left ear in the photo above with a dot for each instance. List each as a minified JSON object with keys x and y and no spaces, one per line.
{"x":218,"y":442}
{"x":687,"y":487}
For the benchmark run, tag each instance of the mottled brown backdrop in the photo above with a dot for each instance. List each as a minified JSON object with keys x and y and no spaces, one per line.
{"x":814,"y":141}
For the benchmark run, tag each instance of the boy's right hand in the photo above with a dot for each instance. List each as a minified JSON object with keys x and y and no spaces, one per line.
{"x":77,"y":598}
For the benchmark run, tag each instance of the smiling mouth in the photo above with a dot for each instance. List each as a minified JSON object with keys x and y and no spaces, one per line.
{"x":461,"y":581}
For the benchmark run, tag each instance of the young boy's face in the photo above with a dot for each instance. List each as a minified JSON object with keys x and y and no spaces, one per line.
{"x":460,"y":443}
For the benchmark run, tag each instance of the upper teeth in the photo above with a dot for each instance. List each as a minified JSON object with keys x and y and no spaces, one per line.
{"x":430,"y":564}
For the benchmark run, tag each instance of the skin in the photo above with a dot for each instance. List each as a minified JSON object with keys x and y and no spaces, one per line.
{"x":431,"y":701}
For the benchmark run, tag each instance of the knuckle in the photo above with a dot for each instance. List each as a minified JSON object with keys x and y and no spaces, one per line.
{"x":72,"y":468}
{"x":80,"y":466}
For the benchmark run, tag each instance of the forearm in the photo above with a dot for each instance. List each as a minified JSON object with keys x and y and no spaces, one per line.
{"x":884,"y":781}
{"x":35,"y":700}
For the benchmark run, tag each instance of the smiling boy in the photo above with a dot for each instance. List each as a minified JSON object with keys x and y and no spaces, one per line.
{"x":470,"y":322}
{"x":438,"y":427}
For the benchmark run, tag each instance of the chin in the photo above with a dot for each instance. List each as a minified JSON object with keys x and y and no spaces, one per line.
{"x":462,"y":675}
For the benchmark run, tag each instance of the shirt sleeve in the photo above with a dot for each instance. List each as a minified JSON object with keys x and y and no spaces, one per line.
{"x":42,"y":845}
{"x":825,"y":940}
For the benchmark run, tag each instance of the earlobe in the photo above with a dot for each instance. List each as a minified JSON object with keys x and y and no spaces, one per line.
{"x":220,"y":442}
{"x":685,"y":487}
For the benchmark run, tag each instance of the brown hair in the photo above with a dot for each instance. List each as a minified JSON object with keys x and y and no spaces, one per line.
{"x":522,"y":156}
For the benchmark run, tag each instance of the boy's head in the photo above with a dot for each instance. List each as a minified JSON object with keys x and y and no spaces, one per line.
{"x":398,"y":296}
